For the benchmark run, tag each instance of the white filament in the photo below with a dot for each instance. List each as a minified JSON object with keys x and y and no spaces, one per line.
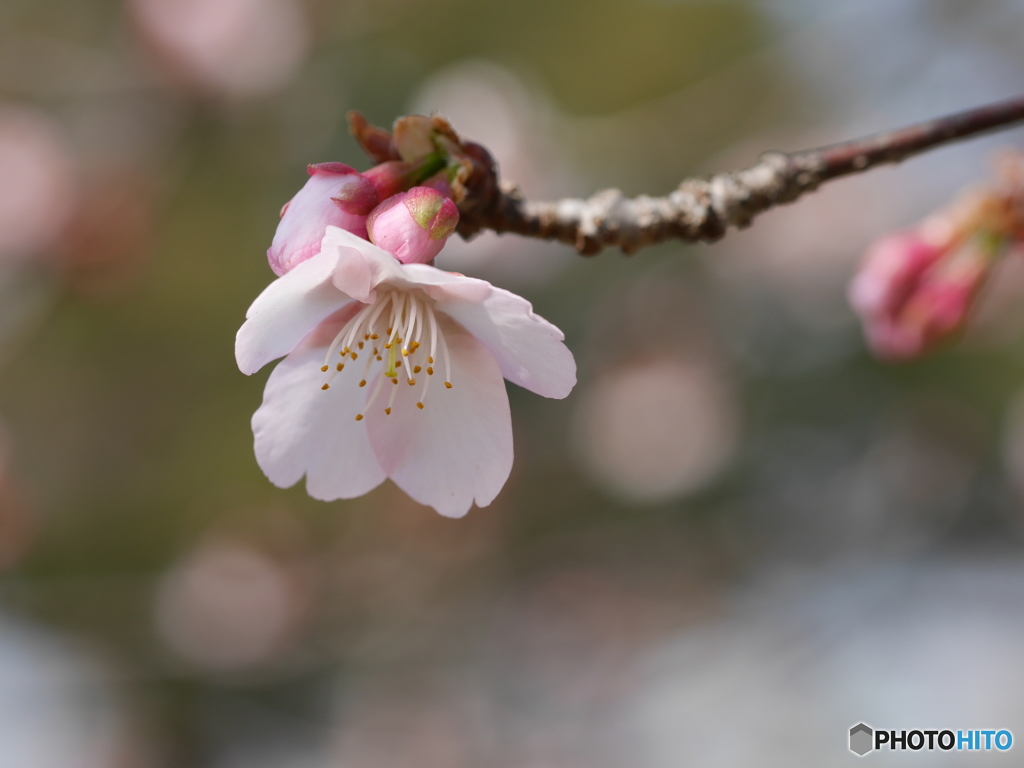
{"x":405,"y":324}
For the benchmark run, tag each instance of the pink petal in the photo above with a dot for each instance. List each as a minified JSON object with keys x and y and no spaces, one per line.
{"x":305,"y":219}
{"x":352,"y":275}
{"x":383,"y":267}
{"x":459,"y":447}
{"x":446,"y":286}
{"x":302,"y":429}
{"x":339,"y":169}
{"x":528,"y":348}
{"x":288,"y":309}
{"x":362,"y":266}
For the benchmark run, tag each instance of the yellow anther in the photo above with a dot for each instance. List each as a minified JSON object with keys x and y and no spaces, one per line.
{"x":359,"y":417}
{"x":405,"y":353}
{"x":363,"y":383}
{"x":355,"y":355}
{"x":412,"y":382}
{"x":448,"y":384}
{"x":395,"y":380}
{"x":341,"y":366}
{"x":414,"y":346}
{"x":379,"y":357}
{"x":324,"y":368}
{"x":374,"y":336}
{"x":417,"y":369}
{"x":420,"y":406}
{"x":398,"y":363}
{"x":326,"y":386}
{"x":430,"y":371}
{"x":387,"y":411}
{"x":430,"y":359}
{"x":366,"y":336}
{"x":389,"y":330}
{"x":360,"y":345}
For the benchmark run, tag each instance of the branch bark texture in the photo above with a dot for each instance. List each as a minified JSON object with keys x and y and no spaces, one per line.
{"x":703,"y":209}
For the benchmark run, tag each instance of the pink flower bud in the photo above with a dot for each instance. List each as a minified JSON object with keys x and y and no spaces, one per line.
{"x":439,"y":181}
{"x":890,"y":272}
{"x":413,"y":225}
{"x":413,"y":137}
{"x":390,"y":178}
{"x":334,"y":195}
{"x":358,"y":196}
{"x":912,"y":294}
{"x":396,"y":176}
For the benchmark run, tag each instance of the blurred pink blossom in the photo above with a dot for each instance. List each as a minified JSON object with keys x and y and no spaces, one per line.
{"x":891,"y":271}
{"x":657,"y":428}
{"x":935,"y":307}
{"x":233,"y":48}
{"x":228,"y":605}
{"x":915,"y":289}
{"x":446,"y":448}
{"x":110,"y":236}
{"x":39,"y":189}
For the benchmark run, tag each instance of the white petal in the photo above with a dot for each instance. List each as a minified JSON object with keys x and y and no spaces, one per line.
{"x":302,"y":429}
{"x":528,"y":348}
{"x":289,"y":308}
{"x":379,"y":266}
{"x":446,"y":286}
{"x":459,"y":447}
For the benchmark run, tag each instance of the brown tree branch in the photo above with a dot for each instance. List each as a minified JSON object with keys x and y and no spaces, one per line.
{"x":704,"y":208}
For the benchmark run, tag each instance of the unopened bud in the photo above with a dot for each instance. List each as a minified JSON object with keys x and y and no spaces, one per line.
{"x":440,"y":182}
{"x":912,"y":294}
{"x":305,"y":218}
{"x":413,"y":137}
{"x":414,"y":225}
{"x":358,"y":196}
{"x":891,"y":271}
{"x":390,"y":178}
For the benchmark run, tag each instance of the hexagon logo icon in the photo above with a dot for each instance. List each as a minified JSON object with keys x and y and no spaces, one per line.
{"x":861,"y":739}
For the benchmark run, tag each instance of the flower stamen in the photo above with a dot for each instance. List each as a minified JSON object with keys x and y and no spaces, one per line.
{"x":373,"y":396}
{"x":447,"y":361}
{"x":391,"y":372}
{"x":408,"y":315}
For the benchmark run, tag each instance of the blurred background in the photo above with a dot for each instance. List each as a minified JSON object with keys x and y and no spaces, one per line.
{"x":739,"y":536}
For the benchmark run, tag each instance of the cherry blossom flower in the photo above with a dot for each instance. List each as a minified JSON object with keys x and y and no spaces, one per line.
{"x":393,"y":370}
